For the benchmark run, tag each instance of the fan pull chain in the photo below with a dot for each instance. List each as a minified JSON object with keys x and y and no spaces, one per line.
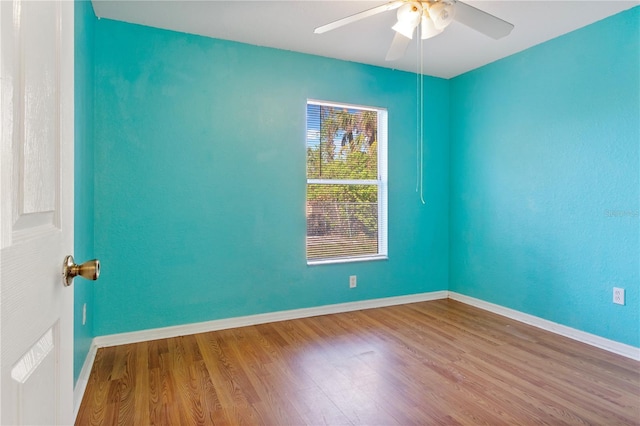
{"x":420,"y":136}
{"x":417,"y":125}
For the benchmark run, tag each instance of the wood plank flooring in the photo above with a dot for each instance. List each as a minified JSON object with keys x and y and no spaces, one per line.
{"x":440,"y":362}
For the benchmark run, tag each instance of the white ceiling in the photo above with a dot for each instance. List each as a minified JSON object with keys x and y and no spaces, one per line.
{"x":289,"y":25}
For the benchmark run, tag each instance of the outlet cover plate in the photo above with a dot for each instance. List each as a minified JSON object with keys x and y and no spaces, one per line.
{"x":353,"y":281}
{"x":618,"y":296}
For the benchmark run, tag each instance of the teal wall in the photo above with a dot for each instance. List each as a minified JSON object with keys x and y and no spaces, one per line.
{"x":200,"y":180}
{"x":545,"y":180}
{"x":84,"y":176}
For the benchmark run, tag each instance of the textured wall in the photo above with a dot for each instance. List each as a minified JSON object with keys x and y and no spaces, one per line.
{"x":545,"y":180}
{"x":200,"y":180}
{"x":83,"y":182}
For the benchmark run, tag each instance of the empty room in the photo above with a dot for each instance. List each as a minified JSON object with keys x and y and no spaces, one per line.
{"x":320,"y":212}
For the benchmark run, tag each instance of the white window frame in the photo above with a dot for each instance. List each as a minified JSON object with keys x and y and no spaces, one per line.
{"x":381,"y":182}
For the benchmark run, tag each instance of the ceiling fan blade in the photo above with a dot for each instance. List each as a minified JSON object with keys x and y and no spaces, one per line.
{"x":358,"y":16}
{"x":398,"y":47}
{"x":481,"y":21}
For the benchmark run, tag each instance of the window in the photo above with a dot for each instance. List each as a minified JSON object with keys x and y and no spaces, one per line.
{"x":346,"y":183}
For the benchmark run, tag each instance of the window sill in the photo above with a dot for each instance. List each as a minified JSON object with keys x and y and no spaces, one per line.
{"x":346,"y":260}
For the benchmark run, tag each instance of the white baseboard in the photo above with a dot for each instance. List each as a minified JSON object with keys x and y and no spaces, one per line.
{"x":222,"y":324}
{"x":572,"y":333}
{"x":83,"y":379}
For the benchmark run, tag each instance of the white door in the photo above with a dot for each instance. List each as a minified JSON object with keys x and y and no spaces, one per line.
{"x":36,"y":214}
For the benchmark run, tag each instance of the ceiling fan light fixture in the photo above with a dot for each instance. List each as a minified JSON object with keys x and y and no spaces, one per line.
{"x":428,"y":29}
{"x":441,"y":14}
{"x":404,"y":28}
{"x":408,"y":18}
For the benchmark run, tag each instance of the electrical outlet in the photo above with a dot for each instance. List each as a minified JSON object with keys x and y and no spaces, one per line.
{"x":618,"y":295}
{"x":353,"y":281}
{"x":84,"y":314}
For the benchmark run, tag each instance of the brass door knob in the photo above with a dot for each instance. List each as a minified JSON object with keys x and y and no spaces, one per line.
{"x":89,"y":270}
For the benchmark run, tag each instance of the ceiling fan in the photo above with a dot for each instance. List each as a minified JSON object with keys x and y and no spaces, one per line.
{"x":432,"y":16}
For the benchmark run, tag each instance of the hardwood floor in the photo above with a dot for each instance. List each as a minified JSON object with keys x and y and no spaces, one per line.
{"x":440,"y":362}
